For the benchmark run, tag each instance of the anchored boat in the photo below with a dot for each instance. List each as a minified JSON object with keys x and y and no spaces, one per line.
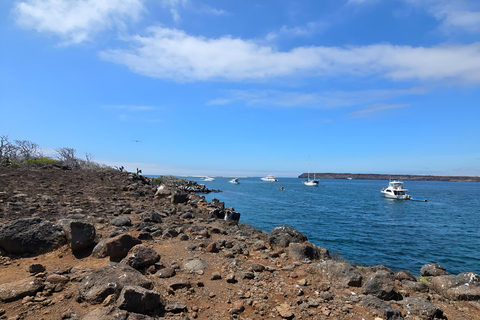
{"x":395,"y":190}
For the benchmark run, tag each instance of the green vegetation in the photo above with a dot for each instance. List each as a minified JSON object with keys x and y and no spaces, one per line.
{"x":157,"y":181}
{"x":424,"y":280}
{"x":42,"y":161}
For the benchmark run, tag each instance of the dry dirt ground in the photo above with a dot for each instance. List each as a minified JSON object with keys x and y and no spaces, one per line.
{"x":283,"y":289}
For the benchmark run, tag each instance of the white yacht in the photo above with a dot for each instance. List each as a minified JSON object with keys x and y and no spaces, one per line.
{"x":395,"y":190}
{"x":208,"y":179}
{"x":269,"y":178}
{"x":310,"y":182}
{"x":234,"y":181}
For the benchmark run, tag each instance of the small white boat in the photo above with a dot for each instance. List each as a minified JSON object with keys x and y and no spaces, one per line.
{"x":208,"y":179}
{"x":234,"y":181}
{"x":312,"y":183}
{"x":269,"y":178}
{"x":395,"y":190}
{"x":309,"y":182}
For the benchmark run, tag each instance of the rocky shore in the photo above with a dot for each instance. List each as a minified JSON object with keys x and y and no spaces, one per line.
{"x":104,"y":244}
{"x":404,"y":177}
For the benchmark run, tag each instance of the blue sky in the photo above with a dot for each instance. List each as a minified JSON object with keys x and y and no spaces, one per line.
{"x":246,"y":88}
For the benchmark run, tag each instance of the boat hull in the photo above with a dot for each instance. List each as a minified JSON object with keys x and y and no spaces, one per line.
{"x":311,"y":183}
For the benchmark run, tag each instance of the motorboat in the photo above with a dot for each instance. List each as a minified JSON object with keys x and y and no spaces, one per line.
{"x":269,"y":178}
{"x":395,"y":190}
{"x":310,"y":182}
{"x":208,"y":179}
{"x":234,"y":181}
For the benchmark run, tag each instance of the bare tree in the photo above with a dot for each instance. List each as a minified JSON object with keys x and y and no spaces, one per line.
{"x":8,"y":151}
{"x":27,"y":150}
{"x":67,"y":157}
{"x":89,"y":157}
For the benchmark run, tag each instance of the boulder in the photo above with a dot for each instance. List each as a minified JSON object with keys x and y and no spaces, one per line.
{"x":405,"y":275}
{"x":151,"y":216}
{"x":16,"y":290}
{"x":231,"y":215}
{"x":433,"y":270}
{"x":464,"y":286}
{"x":194,"y":265}
{"x":141,"y":257}
{"x":282,"y":236}
{"x":140,"y":300}
{"x":381,"y":307}
{"x":123,"y":221}
{"x":32,"y":235}
{"x":306,"y":250}
{"x":381,"y":285}
{"x":415,"y":286}
{"x":116,"y":248}
{"x":80,"y":234}
{"x":110,"y":279}
{"x":341,"y":272}
{"x":179,"y":197}
{"x":421,"y":308}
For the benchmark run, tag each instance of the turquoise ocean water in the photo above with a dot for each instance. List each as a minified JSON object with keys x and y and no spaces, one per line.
{"x":352,"y":218}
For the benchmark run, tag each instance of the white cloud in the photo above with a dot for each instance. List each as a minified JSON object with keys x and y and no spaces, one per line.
{"x":453,"y":14}
{"x":75,"y":21}
{"x":173,"y":54}
{"x":174,"y":6}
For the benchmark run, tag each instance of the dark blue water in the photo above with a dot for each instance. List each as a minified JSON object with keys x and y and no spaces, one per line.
{"x":352,"y":218}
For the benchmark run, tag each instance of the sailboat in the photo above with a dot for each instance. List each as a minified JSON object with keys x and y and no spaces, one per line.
{"x":314,"y":182}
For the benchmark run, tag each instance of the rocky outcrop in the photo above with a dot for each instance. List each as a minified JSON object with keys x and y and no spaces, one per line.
{"x":282,"y":236}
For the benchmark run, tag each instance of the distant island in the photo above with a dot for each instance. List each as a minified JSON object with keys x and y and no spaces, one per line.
{"x":405,"y":177}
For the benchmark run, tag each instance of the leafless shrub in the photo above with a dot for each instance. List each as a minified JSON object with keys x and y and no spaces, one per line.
{"x":8,"y":150}
{"x":67,"y":157}
{"x":27,"y":150}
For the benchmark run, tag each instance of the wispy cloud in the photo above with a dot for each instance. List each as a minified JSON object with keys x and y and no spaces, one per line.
{"x":374,"y":110}
{"x":306,"y":30}
{"x":75,"y":21}
{"x":174,"y":6}
{"x":324,"y":100}
{"x":452,"y":14}
{"x":173,"y":54}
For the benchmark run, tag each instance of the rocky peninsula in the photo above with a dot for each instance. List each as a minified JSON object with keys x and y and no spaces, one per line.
{"x":108,"y":244}
{"x":404,"y":177}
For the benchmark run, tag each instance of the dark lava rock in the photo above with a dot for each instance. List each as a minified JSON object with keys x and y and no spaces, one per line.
{"x":433,"y":270}
{"x":121,"y":221}
{"x":141,"y":256}
{"x":140,"y":300}
{"x":342,"y":272}
{"x":80,"y":234}
{"x":381,"y":307}
{"x":381,"y":285}
{"x":116,"y":248}
{"x":282,"y":236}
{"x":421,"y":308}
{"x":32,"y":235}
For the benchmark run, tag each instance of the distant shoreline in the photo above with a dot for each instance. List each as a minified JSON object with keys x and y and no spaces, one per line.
{"x":405,"y":177}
